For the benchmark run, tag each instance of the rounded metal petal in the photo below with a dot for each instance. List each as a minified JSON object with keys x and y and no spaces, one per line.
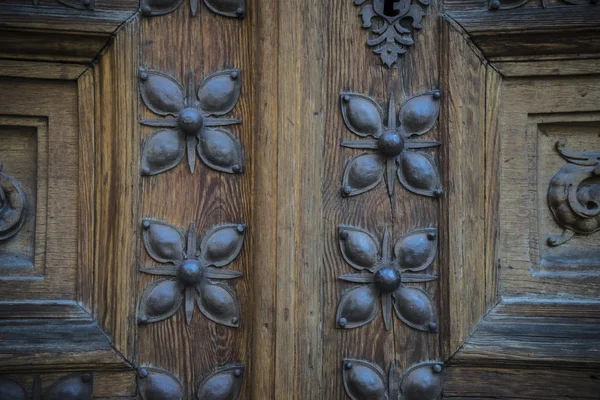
{"x":11,"y":390}
{"x":362,"y":115}
{"x":222,"y":244}
{"x":418,"y":173}
{"x":228,"y":8}
{"x":158,"y":7}
{"x":358,"y":306}
{"x":157,"y":384}
{"x":423,"y":382}
{"x":160,"y":300}
{"x":219,"y":92}
{"x":359,"y":247}
{"x":161,"y":93}
{"x":418,"y":115}
{"x":162,"y":151}
{"x":220,"y":150}
{"x":364,"y":380}
{"x":73,"y":387}
{"x":363,"y":172}
{"x":219,"y":303}
{"x":415,"y":308}
{"x":163,"y":242}
{"x":416,"y":250}
{"x":223,"y":384}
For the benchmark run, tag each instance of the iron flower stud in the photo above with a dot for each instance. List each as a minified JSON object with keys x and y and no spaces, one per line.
{"x":192,"y":268}
{"x":157,"y":384}
{"x":226,"y":8}
{"x":416,"y":171}
{"x":386,"y":278}
{"x":365,"y":380}
{"x":195,"y":121}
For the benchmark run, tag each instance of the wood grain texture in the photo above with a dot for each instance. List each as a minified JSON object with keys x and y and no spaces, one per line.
{"x":264,"y":251}
{"x":117,"y":138}
{"x":522,"y":383}
{"x":532,"y":32}
{"x":548,"y":67}
{"x":177,"y":44}
{"x":87,"y":190}
{"x":463,"y":227}
{"x":41,"y":70}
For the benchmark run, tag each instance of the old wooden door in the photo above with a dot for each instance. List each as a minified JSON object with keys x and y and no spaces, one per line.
{"x":299,"y":199}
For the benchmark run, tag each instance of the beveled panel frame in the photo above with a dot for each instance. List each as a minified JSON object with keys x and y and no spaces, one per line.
{"x":494,"y":343}
{"x":93,"y":329}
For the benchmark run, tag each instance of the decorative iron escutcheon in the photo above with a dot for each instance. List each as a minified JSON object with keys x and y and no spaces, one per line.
{"x":77,"y":386}
{"x":574,"y":195}
{"x":365,"y":380}
{"x":157,"y":384}
{"x":193,"y":267}
{"x":386,"y":278}
{"x":191,"y":121}
{"x":226,"y":8}
{"x":12,"y":205}
{"x":416,"y":170}
{"x":392,"y":23}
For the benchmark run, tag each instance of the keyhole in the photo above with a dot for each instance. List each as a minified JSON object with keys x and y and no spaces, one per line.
{"x":389,"y":9}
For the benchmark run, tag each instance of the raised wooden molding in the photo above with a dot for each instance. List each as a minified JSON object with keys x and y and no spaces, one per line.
{"x":486,"y":337}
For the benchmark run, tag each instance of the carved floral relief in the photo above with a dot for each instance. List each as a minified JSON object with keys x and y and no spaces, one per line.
{"x":193,"y":266}
{"x":393,"y":144}
{"x":365,"y":380}
{"x":574,"y":195}
{"x":384,"y":272}
{"x":191,"y":122}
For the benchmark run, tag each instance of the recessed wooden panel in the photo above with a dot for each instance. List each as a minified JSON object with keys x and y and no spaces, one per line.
{"x":567,"y":109}
{"x":40,"y":139}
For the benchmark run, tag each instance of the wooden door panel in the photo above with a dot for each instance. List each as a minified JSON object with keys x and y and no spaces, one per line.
{"x":536,"y":316}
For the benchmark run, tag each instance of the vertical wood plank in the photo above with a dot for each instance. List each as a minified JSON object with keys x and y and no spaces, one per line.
{"x":117,"y":180}
{"x":87,"y":188}
{"x":463,"y":250}
{"x":492,"y":185}
{"x":263,"y":224}
{"x":299,"y":215}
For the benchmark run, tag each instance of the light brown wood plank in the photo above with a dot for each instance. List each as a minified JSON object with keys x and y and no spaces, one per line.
{"x":42,"y":70}
{"x":463,"y":252}
{"x":117,"y":180}
{"x":548,"y":68}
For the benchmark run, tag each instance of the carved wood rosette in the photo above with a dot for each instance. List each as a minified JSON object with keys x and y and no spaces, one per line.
{"x":391,"y":27}
{"x":191,"y":120}
{"x":386,"y":277}
{"x":226,"y":8}
{"x":365,"y":380}
{"x":192,"y":266}
{"x":415,"y":170}
{"x":157,"y":384}
{"x":574,"y":195}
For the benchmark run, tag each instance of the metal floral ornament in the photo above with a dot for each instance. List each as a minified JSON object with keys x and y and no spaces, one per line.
{"x":191,"y":121}
{"x":223,"y":384}
{"x":78,"y":386}
{"x":394,"y":25}
{"x":364,"y":380}
{"x":192,"y":268}
{"x":226,"y":8}
{"x":386,"y":278}
{"x":416,"y":170}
